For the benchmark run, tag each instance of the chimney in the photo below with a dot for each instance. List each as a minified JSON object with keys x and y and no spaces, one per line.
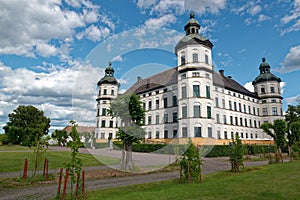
{"x":139,"y":79}
{"x":221,"y":72}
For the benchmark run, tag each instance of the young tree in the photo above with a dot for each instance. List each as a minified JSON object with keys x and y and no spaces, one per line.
{"x":293,"y":126}
{"x":61,"y":136}
{"x":26,"y":125}
{"x":128,"y":108}
{"x":236,"y":155}
{"x":277,"y":131}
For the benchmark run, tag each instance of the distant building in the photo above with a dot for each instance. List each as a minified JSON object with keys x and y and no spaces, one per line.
{"x":80,"y":129}
{"x":192,"y":100}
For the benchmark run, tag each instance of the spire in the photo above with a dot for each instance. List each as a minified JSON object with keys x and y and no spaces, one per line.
{"x":192,"y":26}
{"x":109,"y":75}
{"x":109,"y":71}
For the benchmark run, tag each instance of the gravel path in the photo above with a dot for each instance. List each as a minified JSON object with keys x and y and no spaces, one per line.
{"x":49,"y":191}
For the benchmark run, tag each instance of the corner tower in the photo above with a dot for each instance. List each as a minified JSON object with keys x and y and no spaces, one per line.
{"x":195,"y":82}
{"x":267,"y":86}
{"x":108,"y":88}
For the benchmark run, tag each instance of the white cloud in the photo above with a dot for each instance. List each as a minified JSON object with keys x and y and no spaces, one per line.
{"x":94,"y":33}
{"x":32,"y":26}
{"x":262,"y":18}
{"x":292,"y":20}
{"x":291,"y":61}
{"x":293,"y":100}
{"x":255,"y":9}
{"x":118,"y":58}
{"x":144,"y":4}
{"x":249,"y":86}
{"x":63,"y":93}
{"x":165,"y":20}
{"x":205,"y":6}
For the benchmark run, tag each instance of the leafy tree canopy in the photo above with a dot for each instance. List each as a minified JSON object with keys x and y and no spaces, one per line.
{"x":26,"y":125}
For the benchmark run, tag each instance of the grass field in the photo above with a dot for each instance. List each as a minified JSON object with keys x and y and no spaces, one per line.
{"x":14,"y":161}
{"x":277,"y":181}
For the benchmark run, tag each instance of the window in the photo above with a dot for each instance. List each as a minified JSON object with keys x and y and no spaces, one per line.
{"x":166,"y":118}
{"x":231,"y":120}
{"x":219,"y":134}
{"x":112,"y":92}
{"x":174,"y":116}
{"x":240,"y":107}
{"x":165,"y":90}
{"x":209,"y":131}
{"x":98,"y":111}
{"x":223,"y":103}
{"x":273,"y":100}
{"x":157,"y":103}
{"x":102,"y":135}
{"x":225,"y":135}
{"x":103,"y":111}
{"x":218,"y":118}
{"x":195,"y":57}
{"x":253,"y":111}
{"x":149,"y":119}
{"x":157,"y":119}
{"x":274,"y":111}
{"x":184,"y":132}
{"x":208,"y":91}
{"x":224,"y":119}
{"x":103,"y":123}
{"x":105,"y":91}
{"x":262,"y":90}
{"x":111,"y":124}
{"x":235,"y":107}
{"x":208,"y":112}
{"x":197,"y":132}
{"x":236,"y":121}
{"x":255,"y":124}
{"x":174,"y":133}
{"x":249,"y":109}
{"x":165,"y":102}
{"x":232,"y":135}
{"x":272,"y":90}
{"x":183,"y":92}
{"x":245,"y":109}
{"x":149,"y":135}
{"x":246,"y":124}
{"x":97,"y":124}
{"x":206,"y":59}
{"x":166,"y":133}
{"x":217,"y":102}
{"x":265,"y":111}
{"x":250,"y":123}
{"x":251,"y":135}
{"x":247,"y":135}
{"x":184,"y":112}
{"x":264,"y":101}
{"x":149,"y":105}
{"x":256,"y":136}
{"x":242,"y":135}
{"x":183,"y":76}
{"x":144,"y":106}
{"x":196,"y":91}
{"x":241,"y":121}
{"x":174,"y":100}
{"x":230,"y":105}
{"x":197,"y":112}
{"x":257,"y":111}
{"x":157,"y":134}
{"x":182,"y":60}
{"x":195,"y":74}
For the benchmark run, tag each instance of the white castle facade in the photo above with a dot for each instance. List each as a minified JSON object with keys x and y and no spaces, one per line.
{"x":192,"y":100}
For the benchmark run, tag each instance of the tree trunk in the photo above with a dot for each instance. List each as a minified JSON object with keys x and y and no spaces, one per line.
{"x":129,"y":157}
{"x":280,"y":153}
{"x":123,"y":156}
{"x":290,"y":152}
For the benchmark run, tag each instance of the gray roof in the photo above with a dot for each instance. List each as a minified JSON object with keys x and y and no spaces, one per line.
{"x":170,"y":77}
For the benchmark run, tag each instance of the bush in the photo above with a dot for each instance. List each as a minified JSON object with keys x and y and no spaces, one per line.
{"x":4,"y":139}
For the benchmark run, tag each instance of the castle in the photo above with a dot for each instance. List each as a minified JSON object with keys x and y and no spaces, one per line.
{"x":192,"y":100}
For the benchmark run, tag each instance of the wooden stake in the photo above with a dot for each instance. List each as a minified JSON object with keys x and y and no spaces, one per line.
{"x":82,"y":182}
{"x":65,"y":185}
{"x":46,"y":169}
{"x":59,"y":182}
{"x":25,"y":169}
{"x":189,"y":174}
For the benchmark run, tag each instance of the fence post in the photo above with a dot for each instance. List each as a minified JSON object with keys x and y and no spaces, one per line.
{"x":46,"y":169}
{"x":189,"y":172}
{"x":82,"y":182}
{"x":25,"y":169}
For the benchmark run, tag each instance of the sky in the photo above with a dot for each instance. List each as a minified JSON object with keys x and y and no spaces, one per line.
{"x":52,"y":53}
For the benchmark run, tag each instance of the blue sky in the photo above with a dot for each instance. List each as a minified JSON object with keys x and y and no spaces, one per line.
{"x":53,"y":53}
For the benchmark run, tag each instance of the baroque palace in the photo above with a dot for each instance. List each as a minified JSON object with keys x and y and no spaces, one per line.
{"x":193,"y":101}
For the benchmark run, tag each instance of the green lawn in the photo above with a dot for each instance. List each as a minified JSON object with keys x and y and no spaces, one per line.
{"x":14,"y":148}
{"x":14,"y":161}
{"x":277,"y":181}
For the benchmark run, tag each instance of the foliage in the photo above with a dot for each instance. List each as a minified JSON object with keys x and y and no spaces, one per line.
{"x":4,"y":139}
{"x":39,"y":152}
{"x":236,"y":154}
{"x":190,"y":164}
{"x":74,"y":165}
{"x":26,"y":125}
{"x":61,"y":136}
{"x":128,"y":108}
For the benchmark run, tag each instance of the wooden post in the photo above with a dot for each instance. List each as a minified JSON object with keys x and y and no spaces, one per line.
{"x":77,"y":186}
{"x":59,"y":182}
{"x":25,"y":169}
{"x":46,"y":169}
{"x":65,"y":185}
{"x":82,"y":186}
{"x":180,"y":173}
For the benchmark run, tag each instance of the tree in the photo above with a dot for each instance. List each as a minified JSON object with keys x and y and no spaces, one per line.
{"x":277,"y":131}
{"x":26,"y":125}
{"x":293,"y":126}
{"x":61,"y":136}
{"x":128,"y":108}
{"x":236,"y":155}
